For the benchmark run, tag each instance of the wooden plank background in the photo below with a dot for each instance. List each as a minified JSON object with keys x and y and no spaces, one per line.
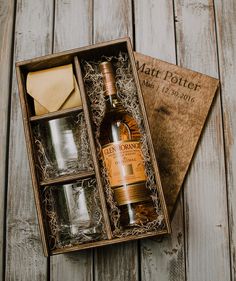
{"x":198,"y":34}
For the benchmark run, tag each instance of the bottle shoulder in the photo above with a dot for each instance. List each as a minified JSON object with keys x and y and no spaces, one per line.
{"x":122,"y":116}
{"x":118,"y":125}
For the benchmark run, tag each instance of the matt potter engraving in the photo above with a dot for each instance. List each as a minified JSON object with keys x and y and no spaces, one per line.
{"x":167,"y":76}
{"x":148,"y":70}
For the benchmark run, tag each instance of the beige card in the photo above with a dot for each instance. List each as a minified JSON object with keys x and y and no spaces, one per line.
{"x":177,"y":102}
{"x":53,"y":89}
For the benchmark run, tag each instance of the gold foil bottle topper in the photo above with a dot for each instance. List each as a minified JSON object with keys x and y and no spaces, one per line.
{"x":108,"y":78}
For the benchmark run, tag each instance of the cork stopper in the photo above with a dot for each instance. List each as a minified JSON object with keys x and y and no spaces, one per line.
{"x":108,"y":78}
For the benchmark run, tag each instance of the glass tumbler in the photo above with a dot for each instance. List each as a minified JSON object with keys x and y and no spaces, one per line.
{"x":76,"y":210}
{"x":62,"y":146}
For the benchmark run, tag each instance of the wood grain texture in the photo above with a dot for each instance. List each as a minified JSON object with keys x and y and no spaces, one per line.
{"x":206,"y":223}
{"x":206,"y":231}
{"x":154,"y":29}
{"x":73,"y":29}
{"x":154,"y":33}
{"x":117,"y":262}
{"x":164,"y":259}
{"x":6,"y":34}
{"x":113,"y":19}
{"x":24,"y":257}
{"x":226,"y":34}
{"x":72,"y":266}
{"x":73,"y":24}
{"x":177,"y":113}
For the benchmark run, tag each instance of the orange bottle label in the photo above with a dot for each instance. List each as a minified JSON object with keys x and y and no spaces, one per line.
{"x":124,"y":162}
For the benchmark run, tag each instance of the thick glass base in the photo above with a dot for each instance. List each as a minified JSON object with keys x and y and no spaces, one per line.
{"x":70,"y":234}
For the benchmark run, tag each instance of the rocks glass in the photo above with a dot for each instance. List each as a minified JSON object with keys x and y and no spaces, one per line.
{"x":73,"y":211}
{"x":62,"y":146}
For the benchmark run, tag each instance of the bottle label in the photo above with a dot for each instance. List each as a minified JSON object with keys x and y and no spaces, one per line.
{"x":124,"y":162}
{"x":131,"y":194}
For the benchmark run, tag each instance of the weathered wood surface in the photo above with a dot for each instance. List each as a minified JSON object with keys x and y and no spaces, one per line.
{"x":24,"y":255}
{"x":225,"y":14}
{"x":6,"y":46}
{"x":205,"y":203}
{"x":200,"y":35}
{"x":164,"y":259}
{"x":73,"y":31}
{"x":113,"y":19}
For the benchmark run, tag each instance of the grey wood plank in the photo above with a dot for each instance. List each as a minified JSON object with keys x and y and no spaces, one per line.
{"x":72,"y":266}
{"x":113,"y":19}
{"x":24,"y":256}
{"x":73,"y":24}
{"x":73,"y":28}
{"x":226,"y":34}
{"x":206,"y":223}
{"x":154,"y":33}
{"x":117,"y":262}
{"x":164,"y":259}
{"x":6,"y":31}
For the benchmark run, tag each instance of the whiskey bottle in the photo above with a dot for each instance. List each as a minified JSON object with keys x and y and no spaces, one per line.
{"x":123,"y":157}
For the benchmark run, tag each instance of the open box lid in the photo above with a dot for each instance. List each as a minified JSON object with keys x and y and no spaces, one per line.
{"x":177,"y":101}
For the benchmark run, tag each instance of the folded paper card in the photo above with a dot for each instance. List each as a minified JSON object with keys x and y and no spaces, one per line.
{"x":177,"y":101}
{"x":53,"y":89}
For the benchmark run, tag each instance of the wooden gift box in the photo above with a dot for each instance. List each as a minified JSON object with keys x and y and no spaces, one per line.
{"x":29,"y":118}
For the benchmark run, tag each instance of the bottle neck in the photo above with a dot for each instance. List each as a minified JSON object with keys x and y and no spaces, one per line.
{"x":109,"y":84}
{"x":113,"y":102}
